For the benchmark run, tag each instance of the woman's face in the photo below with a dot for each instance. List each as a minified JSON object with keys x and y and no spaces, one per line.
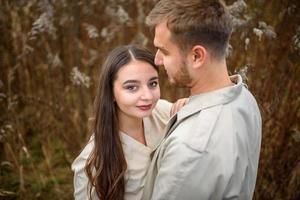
{"x":136,"y":89}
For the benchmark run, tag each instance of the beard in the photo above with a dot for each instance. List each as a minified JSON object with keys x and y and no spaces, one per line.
{"x":182,"y":77}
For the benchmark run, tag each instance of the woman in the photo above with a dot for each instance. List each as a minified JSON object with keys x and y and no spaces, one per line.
{"x":129,"y":123}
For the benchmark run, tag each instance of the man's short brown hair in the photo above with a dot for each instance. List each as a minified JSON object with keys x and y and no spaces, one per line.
{"x":195,"y":22}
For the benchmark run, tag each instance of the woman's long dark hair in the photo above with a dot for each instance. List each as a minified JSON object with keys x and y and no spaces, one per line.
{"x":106,"y":164}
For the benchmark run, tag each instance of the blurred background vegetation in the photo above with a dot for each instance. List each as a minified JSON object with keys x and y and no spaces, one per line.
{"x":50,"y":56}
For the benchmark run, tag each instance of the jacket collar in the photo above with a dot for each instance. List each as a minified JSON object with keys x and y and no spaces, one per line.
{"x":202,"y":101}
{"x":210,"y":99}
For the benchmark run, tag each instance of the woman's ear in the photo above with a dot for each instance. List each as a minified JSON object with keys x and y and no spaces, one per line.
{"x":199,"y":56}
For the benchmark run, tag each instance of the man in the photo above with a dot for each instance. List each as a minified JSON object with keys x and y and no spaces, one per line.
{"x":211,"y":149}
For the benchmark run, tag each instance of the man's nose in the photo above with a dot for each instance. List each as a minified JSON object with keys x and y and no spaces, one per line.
{"x":158,"y":58}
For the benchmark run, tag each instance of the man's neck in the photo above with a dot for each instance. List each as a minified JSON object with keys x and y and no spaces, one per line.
{"x":211,"y":78}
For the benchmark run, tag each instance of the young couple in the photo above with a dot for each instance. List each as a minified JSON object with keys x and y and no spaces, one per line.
{"x":141,"y":147}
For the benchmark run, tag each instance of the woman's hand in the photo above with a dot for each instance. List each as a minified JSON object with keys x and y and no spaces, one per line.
{"x":178,"y":105}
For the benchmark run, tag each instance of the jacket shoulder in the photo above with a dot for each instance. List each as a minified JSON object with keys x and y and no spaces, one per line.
{"x":196,"y":130}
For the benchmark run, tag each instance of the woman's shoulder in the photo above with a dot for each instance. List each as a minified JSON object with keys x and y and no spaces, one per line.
{"x":80,"y":160}
{"x":161,"y":112}
{"x":163,"y":107}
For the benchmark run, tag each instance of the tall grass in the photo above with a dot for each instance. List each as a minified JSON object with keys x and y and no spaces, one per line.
{"x":50,"y":56}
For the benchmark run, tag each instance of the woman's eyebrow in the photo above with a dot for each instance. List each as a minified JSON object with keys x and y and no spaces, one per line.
{"x":154,"y":78}
{"x":137,"y":81}
{"x":131,"y":81}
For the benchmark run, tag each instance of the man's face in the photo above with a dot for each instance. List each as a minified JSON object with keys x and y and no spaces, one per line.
{"x":169,"y":55}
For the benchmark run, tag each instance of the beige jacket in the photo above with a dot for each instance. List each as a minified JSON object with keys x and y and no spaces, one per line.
{"x":211,"y":151}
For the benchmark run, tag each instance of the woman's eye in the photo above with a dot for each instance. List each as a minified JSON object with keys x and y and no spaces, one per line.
{"x":131,"y":87}
{"x":153,"y":84}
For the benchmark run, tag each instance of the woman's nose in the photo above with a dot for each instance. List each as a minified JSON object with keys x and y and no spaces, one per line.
{"x":147,"y":94}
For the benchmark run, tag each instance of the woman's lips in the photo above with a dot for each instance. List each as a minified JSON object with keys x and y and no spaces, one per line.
{"x":145,"y":107}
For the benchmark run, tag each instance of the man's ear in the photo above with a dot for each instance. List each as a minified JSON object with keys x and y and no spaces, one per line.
{"x":199,"y":56}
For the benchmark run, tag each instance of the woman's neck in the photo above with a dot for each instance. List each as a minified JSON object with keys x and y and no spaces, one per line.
{"x":132,"y":127}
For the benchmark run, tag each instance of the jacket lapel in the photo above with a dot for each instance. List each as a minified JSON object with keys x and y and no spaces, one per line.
{"x":170,"y":124}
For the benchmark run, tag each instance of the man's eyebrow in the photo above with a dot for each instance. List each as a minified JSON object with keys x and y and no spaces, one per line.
{"x":162,"y":49}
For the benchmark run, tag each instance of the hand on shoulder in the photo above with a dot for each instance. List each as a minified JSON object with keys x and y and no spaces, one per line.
{"x":178,"y":105}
